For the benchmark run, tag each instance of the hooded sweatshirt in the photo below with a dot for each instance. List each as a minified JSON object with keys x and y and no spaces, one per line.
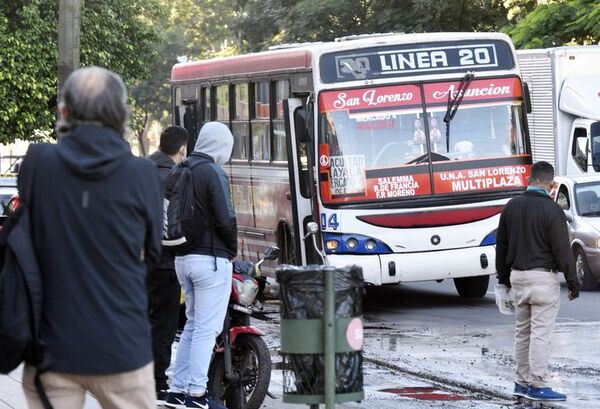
{"x":211,"y":187}
{"x":164,"y":164}
{"x":96,"y":215}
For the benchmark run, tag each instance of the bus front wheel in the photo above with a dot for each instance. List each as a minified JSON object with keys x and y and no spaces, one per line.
{"x":472,"y":287}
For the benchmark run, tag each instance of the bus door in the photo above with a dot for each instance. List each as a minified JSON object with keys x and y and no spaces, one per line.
{"x":189,"y":120}
{"x":299,"y":166}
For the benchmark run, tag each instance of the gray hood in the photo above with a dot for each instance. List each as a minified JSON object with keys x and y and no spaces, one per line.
{"x":215,"y":140}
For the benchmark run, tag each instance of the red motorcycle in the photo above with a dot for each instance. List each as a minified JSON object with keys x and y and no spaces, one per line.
{"x":240,"y":369}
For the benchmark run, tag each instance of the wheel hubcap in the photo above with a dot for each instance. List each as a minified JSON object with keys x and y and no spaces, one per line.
{"x":579,"y":267}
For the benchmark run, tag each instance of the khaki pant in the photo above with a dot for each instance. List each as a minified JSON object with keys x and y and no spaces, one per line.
{"x":133,"y":389}
{"x":537,"y":300}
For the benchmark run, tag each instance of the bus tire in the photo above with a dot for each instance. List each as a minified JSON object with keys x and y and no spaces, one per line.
{"x":472,"y":287}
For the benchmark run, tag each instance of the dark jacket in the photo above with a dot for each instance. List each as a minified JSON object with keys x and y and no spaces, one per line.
{"x":211,"y":189}
{"x":533,"y":234}
{"x":164,"y":164}
{"x":96,"y":213}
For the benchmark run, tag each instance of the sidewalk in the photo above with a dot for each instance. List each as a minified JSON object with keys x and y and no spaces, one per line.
{"x":429,"y":369}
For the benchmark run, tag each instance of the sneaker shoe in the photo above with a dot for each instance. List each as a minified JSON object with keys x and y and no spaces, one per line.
{"x":544,"y":394}
{"x":520,"y":390}
{"x":175,"y":400}
{"x":161,"y":397}
{"x":202,"y":402}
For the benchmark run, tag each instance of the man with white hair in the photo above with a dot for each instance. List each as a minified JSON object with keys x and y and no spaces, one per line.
{"x":96,"y":217}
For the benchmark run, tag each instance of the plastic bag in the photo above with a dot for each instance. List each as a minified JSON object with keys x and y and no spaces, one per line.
{"x":505,"y":299}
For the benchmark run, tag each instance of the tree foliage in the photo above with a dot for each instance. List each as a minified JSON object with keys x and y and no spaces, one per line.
{"x":142,"y":39}
{"x":28,"y":74}
{"x":116,"y":34}
{"x":557,"y":23}
{"x":271,"y":21}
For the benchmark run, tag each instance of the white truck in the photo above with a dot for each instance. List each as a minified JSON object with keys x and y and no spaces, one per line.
{"x":564,"y":125}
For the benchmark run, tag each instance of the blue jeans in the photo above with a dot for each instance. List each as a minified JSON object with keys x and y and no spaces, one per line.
{"x":206,"y":295}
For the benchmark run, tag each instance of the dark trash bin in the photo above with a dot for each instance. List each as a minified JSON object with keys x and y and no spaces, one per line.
{"x":302,"y":295}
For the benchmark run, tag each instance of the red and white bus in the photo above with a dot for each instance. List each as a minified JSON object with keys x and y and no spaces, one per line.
{"x":404,"y":148}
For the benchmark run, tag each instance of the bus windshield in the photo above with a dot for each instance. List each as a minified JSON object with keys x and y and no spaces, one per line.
{"x":377,"y":143}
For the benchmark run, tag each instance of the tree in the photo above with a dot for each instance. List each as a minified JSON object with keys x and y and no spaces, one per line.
{"x":28,"y":74}
{"x":191,"y":28}
{"x":116,"y":34}
{"x":558,"y":23}
{"x":324,"y":20}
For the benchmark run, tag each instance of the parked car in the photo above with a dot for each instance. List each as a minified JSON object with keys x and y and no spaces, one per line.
{"x":579,"y":197}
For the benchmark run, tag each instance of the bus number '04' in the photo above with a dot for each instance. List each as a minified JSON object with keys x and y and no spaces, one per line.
{"x":331,"y":222}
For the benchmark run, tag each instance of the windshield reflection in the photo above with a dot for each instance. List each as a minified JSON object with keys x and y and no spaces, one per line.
{"x":398,"y":137}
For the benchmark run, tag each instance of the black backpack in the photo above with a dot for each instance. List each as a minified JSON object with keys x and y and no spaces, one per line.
{"x":184,"y":216}
{"x":21,"y":286}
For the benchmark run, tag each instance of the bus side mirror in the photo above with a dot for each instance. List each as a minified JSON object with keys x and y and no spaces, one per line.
{"x":527,"y":98}
{"x":300,"y":126}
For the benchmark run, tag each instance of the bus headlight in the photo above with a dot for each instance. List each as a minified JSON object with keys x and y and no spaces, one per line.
{"x":332,"y":244}
{"x":598,"y":242}
{"x":340,"y":243}
{"x":351,"y":243}
{"x":370,"y":245}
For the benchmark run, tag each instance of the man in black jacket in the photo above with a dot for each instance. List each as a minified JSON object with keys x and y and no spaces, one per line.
{"x":532,"y":246}
{"x":205,"y":270}
{"x":96,"y":217}
{"x":163,"y":287}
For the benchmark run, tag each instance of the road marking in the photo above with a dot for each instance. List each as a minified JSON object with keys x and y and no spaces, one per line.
{"x":424,"y":393}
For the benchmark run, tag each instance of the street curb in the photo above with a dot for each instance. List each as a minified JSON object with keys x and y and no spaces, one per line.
{"x":441,"y":381}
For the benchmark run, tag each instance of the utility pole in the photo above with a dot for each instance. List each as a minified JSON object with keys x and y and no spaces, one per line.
{"x":69,"y":12}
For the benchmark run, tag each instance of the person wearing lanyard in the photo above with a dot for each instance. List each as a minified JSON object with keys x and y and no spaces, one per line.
{"x":532,"y":246}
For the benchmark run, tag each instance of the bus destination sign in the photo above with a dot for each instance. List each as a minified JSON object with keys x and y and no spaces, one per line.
{"x":411,"y":59}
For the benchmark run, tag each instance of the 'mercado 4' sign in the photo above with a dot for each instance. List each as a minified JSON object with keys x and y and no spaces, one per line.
{"x":415,"y":59}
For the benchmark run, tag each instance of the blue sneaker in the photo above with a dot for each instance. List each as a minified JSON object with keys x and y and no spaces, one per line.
{"x":175,"y":400}
{"x":520,"y":390}
{"x":202,"y":402}
{"x":534,"y":393}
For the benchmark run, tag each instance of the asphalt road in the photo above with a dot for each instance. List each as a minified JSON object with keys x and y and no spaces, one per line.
{"x":425,"y":334}
{"x":431,"y":303}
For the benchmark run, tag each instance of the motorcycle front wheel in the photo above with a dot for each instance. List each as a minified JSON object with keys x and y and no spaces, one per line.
{"x":252,"y":361}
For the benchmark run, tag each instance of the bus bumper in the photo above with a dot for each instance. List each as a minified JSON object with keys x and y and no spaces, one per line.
{"x":426,"y":266}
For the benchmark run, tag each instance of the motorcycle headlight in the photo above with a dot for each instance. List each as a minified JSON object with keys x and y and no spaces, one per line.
{"x":246,"y":290}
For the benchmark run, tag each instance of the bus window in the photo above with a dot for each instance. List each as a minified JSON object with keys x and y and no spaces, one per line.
{"x":382,"y":139}
{"x":223,"y":103}
{"x":282,"y":92}
{"x":206,"y":101}
{"x":261,"y":130}
{"x":240,"y":125}
{"x":487,"y":123}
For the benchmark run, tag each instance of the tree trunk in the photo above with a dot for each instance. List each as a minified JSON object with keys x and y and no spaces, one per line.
{"x":141,"y":133}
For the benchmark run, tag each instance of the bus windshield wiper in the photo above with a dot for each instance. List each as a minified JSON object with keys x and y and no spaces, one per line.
{"x":454,"y":102}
